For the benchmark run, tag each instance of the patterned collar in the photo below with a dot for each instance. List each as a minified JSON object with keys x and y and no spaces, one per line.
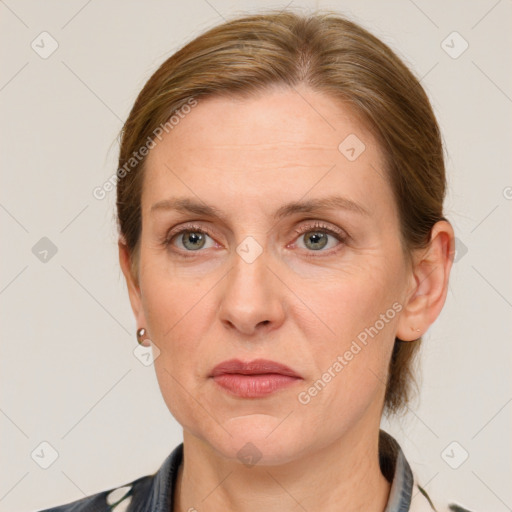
{"x":396,"y":469}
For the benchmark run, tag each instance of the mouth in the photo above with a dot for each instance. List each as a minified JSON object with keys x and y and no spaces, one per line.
{"x":253,"y":379}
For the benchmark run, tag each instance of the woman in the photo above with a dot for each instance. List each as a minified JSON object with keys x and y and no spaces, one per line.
{"x":280,"y":204}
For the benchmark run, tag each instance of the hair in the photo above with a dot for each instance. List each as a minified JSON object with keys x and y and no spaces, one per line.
{"x":330,"y":54}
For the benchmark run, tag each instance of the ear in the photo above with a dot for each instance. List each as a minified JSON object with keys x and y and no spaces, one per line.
{"x":429,"y":283}
{"x":132,"y":285}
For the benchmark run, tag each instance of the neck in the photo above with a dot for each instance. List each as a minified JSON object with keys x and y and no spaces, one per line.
{"x":344,"y":475}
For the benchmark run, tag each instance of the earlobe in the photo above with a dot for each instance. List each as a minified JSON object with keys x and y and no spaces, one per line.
{"x":430,"y":275}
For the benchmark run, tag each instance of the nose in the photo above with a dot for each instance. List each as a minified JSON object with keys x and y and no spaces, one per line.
{"x":252,"y":297}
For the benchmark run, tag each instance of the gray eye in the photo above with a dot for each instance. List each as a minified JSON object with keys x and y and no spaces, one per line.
{"x":318,"y":240}
{"x":193,"y":240}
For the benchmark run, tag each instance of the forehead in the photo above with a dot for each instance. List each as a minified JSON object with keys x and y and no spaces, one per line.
{"x":282,"y":142}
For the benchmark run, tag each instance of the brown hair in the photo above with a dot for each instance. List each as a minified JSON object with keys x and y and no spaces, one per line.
{"x":329,"y":54}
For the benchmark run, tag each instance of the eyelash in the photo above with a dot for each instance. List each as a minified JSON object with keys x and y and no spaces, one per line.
{"x":316,"y":227}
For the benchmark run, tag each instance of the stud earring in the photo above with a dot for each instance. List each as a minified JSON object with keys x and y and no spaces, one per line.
{"x":141,"y":335}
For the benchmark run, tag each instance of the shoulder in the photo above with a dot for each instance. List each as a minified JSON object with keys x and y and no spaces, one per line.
{"x":117,"y":499}
{"x":150,"y":493}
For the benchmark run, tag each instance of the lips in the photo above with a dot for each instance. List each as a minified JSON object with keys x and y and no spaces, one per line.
{"x":254,"y":379}
{"x":255,"y":367}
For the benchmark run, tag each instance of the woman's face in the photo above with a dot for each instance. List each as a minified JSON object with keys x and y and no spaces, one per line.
{"x":290,"y":253}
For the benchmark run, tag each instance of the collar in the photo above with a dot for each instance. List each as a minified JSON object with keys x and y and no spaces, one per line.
{"x":159,"y":495}
{"x":396,"y":469}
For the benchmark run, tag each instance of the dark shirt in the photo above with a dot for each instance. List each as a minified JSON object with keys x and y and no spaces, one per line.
{"x":155,"y":493}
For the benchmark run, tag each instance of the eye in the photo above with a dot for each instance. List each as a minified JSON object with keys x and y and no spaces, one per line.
{"x":189,"y":239}
{"x":318,"y":236}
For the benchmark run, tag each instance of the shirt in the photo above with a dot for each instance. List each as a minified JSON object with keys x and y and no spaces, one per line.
{"x":155,"y":492}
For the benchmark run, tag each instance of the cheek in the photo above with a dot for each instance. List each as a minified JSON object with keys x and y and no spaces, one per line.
{"x":350,"y":367}
{"x":177,"y":318}
{"x":170,"y":299}
{"x":353,"y":336}
{"x":347,"y":301}
{"x":178,"y":314}
{"x":180,"y":394}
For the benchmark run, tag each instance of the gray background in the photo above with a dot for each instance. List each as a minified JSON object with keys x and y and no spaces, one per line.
{"x":68,"y":373}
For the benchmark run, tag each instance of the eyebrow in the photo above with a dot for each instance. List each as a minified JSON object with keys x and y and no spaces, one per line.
{"x":188,"y":205}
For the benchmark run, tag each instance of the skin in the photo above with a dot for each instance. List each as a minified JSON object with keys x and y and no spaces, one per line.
{"x":249,"y":157}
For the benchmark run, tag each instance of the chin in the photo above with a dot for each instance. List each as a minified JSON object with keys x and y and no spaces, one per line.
{"x":260,"y":439}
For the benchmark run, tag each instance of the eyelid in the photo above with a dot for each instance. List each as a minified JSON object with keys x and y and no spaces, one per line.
{"x":190,"y":227}
{"x":322,"y":226}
